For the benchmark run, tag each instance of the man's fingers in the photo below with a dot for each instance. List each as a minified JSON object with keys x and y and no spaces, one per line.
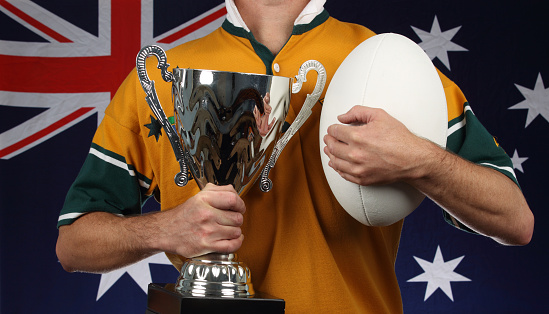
{"x":223,"y":197}
{"x":223,"y":233}
{"x":348,"y":134}
{"x":213,"y":187}
{"x":339,"y":164}
{"x":223,"y":239}
{"x":337,"y":148}
{"x":229,"y":218}
{"x":338,"y":132}
{"x":341,"y":159}
{"x":227,"y":201}
{"x":228,"y":245}
{"x":223,"y":244}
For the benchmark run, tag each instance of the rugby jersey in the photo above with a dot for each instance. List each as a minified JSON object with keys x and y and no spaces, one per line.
{"x":300,"y":245}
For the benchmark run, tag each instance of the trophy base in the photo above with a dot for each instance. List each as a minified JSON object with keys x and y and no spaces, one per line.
{"x":215,"y":275}
{"x":164,"y":299}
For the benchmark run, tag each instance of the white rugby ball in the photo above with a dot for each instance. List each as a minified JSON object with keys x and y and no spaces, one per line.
{"x":391,"y":72}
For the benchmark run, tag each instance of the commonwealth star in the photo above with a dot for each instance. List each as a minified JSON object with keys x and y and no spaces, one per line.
{"x":439,"y":274}
{"x":140,"y":273}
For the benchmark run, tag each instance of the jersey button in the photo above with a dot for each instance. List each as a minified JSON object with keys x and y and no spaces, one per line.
{"x":276,"y":67}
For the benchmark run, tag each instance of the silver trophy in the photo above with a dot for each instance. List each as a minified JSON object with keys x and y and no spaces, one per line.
{"x":228,"y":129}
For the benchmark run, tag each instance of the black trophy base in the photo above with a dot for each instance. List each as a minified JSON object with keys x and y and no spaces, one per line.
{"x":163,"y":299}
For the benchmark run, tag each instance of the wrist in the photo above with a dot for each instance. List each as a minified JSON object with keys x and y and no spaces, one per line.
{"x":431,"y":162}
{"x":146,"y":233}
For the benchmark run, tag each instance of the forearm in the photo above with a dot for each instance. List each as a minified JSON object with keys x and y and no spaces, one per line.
{"x":372,"y":147}
{"x":100,"y":242}
{"x":208,"y":222}
{"x":481,"y":198}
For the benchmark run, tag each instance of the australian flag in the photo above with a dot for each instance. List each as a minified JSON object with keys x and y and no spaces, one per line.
{"x":61,"y":62}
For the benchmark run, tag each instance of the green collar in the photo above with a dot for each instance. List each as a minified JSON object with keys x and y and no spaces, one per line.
{"x":263,"y":52}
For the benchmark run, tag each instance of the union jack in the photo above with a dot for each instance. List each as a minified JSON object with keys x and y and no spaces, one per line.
{"x":73,"y":73}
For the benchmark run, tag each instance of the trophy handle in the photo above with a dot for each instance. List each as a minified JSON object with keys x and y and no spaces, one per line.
{"x":181,"y":178}
{"x":265,"y":183}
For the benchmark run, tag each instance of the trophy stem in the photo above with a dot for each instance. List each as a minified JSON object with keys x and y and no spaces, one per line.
{"x":217,"y":275}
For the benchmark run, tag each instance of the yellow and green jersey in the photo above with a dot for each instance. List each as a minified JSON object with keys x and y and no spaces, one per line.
{"x":299,"y":243}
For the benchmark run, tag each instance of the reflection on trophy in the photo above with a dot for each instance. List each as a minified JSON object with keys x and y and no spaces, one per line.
{"x":228,"y":130}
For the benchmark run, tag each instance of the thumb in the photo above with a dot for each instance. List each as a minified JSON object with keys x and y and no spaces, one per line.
{"x":357,"y":115}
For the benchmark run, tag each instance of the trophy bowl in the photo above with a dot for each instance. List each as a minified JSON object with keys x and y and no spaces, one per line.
{"x":228,"y":123}
{"x":229,"y":129}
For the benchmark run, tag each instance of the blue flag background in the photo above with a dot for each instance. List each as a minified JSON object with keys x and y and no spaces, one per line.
{"x":61,"y":61}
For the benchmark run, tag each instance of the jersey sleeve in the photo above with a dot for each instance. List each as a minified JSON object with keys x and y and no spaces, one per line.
{"x":115,"y":177}
{"x":468,"y":138}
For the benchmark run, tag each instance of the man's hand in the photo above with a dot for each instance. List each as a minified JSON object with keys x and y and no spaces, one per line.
{"x":208,"y":222}
{"x":372,"y":147}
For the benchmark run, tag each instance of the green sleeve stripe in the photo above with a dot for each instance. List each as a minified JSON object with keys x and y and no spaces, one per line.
{"x":120,"y":162}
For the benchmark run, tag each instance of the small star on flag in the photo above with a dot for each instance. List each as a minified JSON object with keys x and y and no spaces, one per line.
{"x":517,"y":161}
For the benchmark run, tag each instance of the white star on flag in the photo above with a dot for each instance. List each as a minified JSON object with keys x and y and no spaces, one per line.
{"x":517,"y":161}
{"x":140,"y":273}
{"x":536,"y":101}
{"x":437,"y":43}
{"x":439,"y":274}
